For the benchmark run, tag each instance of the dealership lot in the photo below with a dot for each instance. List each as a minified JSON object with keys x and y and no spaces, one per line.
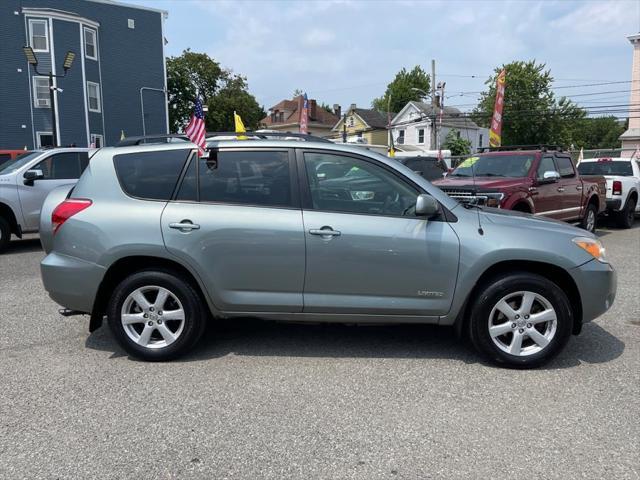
{"x":269,"y":400}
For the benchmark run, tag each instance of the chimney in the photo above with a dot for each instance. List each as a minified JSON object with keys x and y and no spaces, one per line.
{"x":352,"y":107}
{"x":312,"y":109}
{"x":337,"y":110}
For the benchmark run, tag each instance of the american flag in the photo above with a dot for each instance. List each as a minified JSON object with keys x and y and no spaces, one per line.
{"x":304,"y":116}
{"x":195,"y":130}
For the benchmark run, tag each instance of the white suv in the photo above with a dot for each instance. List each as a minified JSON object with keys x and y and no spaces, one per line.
{"x":26,"y":181}
{"x":623,"y":185}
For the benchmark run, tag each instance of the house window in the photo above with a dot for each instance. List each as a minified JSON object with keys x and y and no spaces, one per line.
{"x":45,"y":139}
{"x":421,"y":135}
{"x":131,"y":23}
{"x":480,"y":139}
{"x":93,"y":96}
{"x":41,"y":95}
{"x":90,"y":47}
{"x":97,"y":141}
{"x":401,"y":137}
{"x":351,"y":122}
{"x":39,"y":35}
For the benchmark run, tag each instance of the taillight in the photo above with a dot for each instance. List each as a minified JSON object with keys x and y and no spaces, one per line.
{"x":66,"y":210}
{"x":617,"y":187}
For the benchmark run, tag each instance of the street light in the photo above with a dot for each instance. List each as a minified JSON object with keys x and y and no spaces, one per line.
{"x":66,"y":65}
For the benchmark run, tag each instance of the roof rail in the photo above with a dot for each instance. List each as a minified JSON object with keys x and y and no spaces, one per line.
{"x":257,"y":135}
{"x":212,"y":136}
{"x":159,"y":138}
{"x":504,"y":148}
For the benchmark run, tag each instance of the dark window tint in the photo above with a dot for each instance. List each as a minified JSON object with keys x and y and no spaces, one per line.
{"x":4,"y":157}
{"x":151,"y":175}
{"x":63,"y":166}
{"x":606,"y":167}
{"x":251,"y":178}
{"x":362,"y":188}
{"x":429,"y":168}
{"x":546,"y":165}
{"x":188,"y":190}
{"x":565,"y":167}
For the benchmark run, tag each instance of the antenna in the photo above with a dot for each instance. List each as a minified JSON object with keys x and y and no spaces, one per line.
{"x":475,"y":193}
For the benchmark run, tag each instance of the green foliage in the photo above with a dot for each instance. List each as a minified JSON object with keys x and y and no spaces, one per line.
{"x":400,"y":92}
{"x":457,"y":144}
{"x":221,"y":90}
{"x":601,"y":132}
{"x":531,"y":114}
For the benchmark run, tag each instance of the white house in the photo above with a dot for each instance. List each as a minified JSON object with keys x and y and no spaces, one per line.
{"x":412,"y":127}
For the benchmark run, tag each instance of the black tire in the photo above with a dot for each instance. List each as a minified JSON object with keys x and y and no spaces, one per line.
{"x":626,"y":216}
{"x":5,"y":234}
{"x":502,"y":286}
{"x":584,"y":223}
{"x":183,"y":291}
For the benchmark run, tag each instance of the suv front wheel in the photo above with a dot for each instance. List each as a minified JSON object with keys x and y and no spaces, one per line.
{"x":521,"y":320}
{"x":156,"y":315}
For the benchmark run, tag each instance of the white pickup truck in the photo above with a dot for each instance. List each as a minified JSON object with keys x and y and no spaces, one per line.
{"x":623,"y":185}
{"x":26,"y":181}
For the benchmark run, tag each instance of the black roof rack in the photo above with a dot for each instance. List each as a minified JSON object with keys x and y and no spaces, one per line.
{"x":211,"y":136}
{"x":504,"y":148}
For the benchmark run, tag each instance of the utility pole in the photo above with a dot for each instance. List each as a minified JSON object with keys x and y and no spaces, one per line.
{"x":433,"y":106}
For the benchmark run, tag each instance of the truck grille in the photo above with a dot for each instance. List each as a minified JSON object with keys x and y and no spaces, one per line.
{"x":466,"y":196}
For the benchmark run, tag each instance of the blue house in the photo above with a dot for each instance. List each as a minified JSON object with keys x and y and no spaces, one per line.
{"x":116,"y":84}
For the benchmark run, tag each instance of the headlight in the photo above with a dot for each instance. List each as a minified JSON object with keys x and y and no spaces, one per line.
{"x":592,"y":246}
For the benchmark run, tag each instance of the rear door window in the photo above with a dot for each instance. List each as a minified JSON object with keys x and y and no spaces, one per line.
{"x":260,"y":178}
{"x":150,"y":175}
{"x":565,"y":167}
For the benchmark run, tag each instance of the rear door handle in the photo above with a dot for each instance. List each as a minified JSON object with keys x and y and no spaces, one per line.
{"x":561,"y":189}
{"x":578,"y":187}
{"x":325,"y":231}
{"x":185,"y":226}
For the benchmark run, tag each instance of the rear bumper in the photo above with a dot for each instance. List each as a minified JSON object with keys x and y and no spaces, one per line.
{"x":597,"y":283}
{"x":71,"y":282}
{"x":614,"y":203}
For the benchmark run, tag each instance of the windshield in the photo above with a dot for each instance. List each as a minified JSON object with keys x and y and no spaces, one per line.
{"x":606,"y":167}
{"x":495,"y":166}
{"x":18,"y":162}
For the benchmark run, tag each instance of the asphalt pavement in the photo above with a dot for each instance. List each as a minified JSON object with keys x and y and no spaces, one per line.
{"x":270,"y":400}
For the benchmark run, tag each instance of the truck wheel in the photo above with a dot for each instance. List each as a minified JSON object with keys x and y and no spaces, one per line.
{"x":156,"y":315}
{"x":520,"y":320}
{"x":626,"y":216}
{"x":590,"y":218}
{"x":5,"y":234}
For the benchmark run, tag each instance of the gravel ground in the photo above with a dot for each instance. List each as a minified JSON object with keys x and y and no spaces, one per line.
{"x":269,"y":400}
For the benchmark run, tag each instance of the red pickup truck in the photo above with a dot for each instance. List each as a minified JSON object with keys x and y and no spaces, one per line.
{"x":539,"y":181}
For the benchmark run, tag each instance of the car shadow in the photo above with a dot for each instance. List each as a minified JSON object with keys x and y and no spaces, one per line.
{"x":26,"y":245}
{"x":252,"y":337}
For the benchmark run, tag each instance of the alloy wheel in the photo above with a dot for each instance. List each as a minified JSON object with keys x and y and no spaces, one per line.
{"x":152,"y":317}
{"x":591,"y":220}
{"x":522,"y":323}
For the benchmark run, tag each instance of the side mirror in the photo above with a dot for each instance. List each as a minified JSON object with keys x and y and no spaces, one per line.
{"x":550,"y":176}
{"x":31,"y":176}
{"x":426,"y":206}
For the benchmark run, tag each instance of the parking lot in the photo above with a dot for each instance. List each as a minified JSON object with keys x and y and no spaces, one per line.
{"x":271,"y":400}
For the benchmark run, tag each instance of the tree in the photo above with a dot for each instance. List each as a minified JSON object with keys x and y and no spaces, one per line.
{"x":457,"y":144}
{"x":222,"y":91}
{"x":400,"y":90}
{"x":601,"y":132}
{"x":233,"y":96}
{"x":531,"y":114}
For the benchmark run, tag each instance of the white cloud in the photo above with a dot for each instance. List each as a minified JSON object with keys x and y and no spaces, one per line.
{"x":317,"y":37}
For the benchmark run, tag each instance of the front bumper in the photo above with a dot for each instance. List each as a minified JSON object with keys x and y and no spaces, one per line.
{"x":614,"y":203}
{"x":71,"y":282}
{"x":597,"y":283}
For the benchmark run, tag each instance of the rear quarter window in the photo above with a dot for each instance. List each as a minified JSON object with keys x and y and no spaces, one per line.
{"x":150,"y":175}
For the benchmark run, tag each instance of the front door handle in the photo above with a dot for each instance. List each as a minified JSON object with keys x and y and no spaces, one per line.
{"x":185,"y":226}
{"x":325,"y":232}
{"x":578,"y":187}
{"x":561,"y":189}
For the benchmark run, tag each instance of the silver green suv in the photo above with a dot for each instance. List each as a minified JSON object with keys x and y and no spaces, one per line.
{"x":159,"y":240}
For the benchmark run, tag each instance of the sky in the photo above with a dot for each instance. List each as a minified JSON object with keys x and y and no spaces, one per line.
{"x":347,"y":51}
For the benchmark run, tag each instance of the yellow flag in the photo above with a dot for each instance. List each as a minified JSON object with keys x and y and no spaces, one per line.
{"x":121,"y":134}
{"x":239,"y":126}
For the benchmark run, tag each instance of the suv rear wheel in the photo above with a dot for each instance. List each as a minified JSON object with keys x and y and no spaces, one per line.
{"x":156,"y":315}
{"x":521,"y":320}
{"x":5,"y":234}
{"x":625,"y":217}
